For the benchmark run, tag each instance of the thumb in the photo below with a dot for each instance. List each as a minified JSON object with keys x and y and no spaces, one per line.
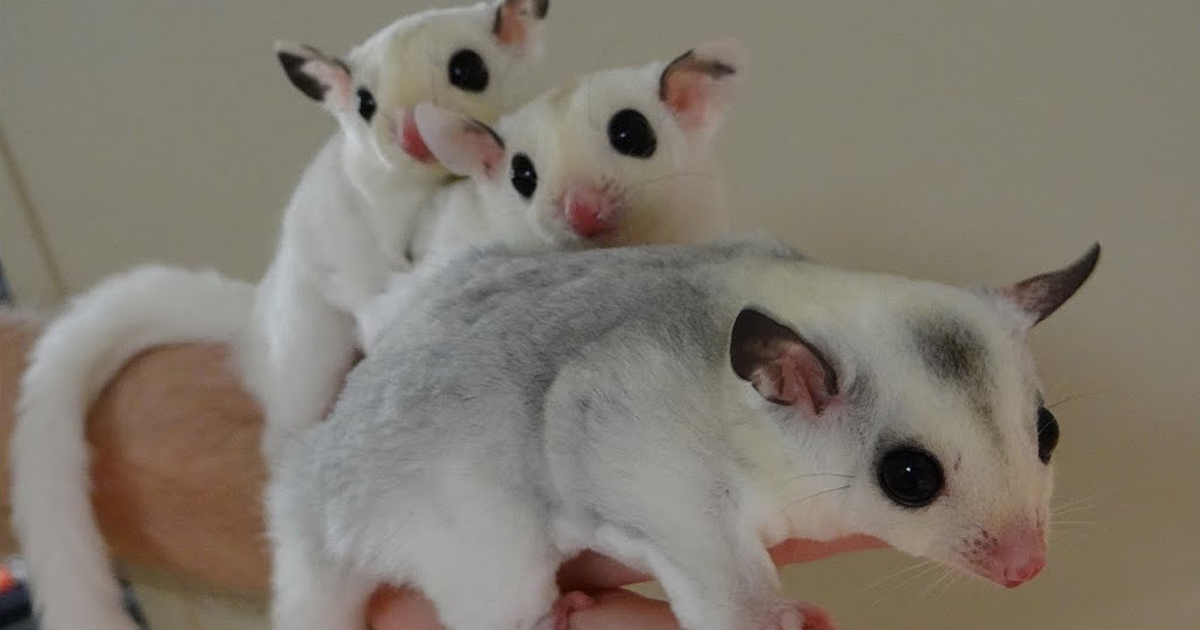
{"x":401,"y":609}
{"x":619,"y":609}
{"x":615,"y":609}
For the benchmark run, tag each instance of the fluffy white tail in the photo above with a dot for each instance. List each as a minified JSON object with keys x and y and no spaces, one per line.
{"x":71,"y":363}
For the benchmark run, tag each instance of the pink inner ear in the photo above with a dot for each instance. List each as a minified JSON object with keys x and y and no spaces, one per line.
{"x":796,"y":378}
{"x":689,"y":95}
{"x":334,"y":76}
{"x":490,"y":154}
{"x":512,"y":30}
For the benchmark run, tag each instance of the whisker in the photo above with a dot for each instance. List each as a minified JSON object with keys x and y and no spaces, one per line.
{"x":1079,"y":501}
{"x":796,"y":478}
{"x":1088,"y":500}
{"x":1068,"y":399}
{"x":630,"y":190}
{"x":809,"y":498}
{"x":662,"y":178}
{"x":1071,"y":509}
{"x":955,"y":578}
{"x":928,"y":565}
{"x":894,"y":575}
{"x":932,"y":585}
{"x":1091,"y":504}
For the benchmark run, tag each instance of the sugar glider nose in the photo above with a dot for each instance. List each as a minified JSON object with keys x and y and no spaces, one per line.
{"x":411,"y":141}
{"x":1019,"y":555}
{"x":1018,"y":575}
{"x":590,"y":211}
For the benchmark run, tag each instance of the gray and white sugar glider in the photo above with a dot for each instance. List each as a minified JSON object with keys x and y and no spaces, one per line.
{"x":680,"y":409}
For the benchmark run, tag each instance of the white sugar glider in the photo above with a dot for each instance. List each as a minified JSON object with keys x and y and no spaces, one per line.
{"x":348,"y":227}
{"x":614,"y":157}
{"x":679,"y":408}
{"x":344,"y":231}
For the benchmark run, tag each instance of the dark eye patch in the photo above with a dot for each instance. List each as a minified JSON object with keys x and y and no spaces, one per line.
{"x":910,"y":476}
{"x":1047,"y":434}
{"x":366,"y":104}
{"x":630,"y":133}
{"x":523,"y":175}
{"x":467,"y":71}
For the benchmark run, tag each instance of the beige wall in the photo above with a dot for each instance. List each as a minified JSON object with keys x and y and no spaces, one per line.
{"x":956,"y":140}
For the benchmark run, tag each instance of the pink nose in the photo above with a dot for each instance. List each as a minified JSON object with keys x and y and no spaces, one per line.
{"x":411,"y":140}
{"x":1019,"y":556}
{"x":1018,"y":575}
{"x":590,"y":211}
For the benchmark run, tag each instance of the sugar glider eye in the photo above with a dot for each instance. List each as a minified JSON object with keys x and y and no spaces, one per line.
{"x":910,"y":476}
{"x":524,"y":175}
{"x":467,"y":71}
{"x":630,"y":134}
{"x":1047,"y":434}
{"x":366,"y":103}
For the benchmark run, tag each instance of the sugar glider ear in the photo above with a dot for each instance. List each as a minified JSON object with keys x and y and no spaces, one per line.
{"x":322,"y":78}
{"x":518,"y":23}
{"x":699,"y":85}
{"x":1041,"y":295}
{"x":462,"y":144}
{"x":782,"y":366}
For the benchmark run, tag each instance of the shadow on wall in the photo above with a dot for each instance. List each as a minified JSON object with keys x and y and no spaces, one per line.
{"x":5,"y":296}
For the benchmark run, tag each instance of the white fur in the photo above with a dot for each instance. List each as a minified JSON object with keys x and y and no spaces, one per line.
{"x":510,"y":418}
{"x":358,"y":214}
{"x":344,"y":231}
{"x":70,"y":364}
{"x":348,"y":226}
{"x":675,"y":195}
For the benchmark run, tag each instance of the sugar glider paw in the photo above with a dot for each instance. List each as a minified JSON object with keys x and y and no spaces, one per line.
{"x":559,"y":617}
{"x":800,"y":616}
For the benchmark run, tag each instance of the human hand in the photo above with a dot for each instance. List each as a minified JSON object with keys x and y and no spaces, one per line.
{"x":601,"y":577}
{"x":177,"y":477}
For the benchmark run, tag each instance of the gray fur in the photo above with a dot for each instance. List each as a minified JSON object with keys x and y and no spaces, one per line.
{"x":951,"y":349}
{"x":471,"y":372}
{"x":956,"y":353}
{"x":526,"y":407}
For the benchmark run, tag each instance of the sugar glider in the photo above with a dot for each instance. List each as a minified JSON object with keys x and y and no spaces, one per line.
{"x":347,"y":228}
{"x":679,"y":408}
{"x":619,"y":150}
{"x":614,"y":157}
{"x":343,"y":234}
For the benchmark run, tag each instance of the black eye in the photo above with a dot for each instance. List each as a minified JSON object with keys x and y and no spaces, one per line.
{"x":1047,"y":434}
{"x":524,"y":175}
{"x":366,"y":103}
{"x":910,"y":476}
{"x":468,"y":72}
{"x":630,"y":134}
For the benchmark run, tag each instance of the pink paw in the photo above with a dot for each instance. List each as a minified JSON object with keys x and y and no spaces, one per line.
{"x":559,"y":617}
{"x":804,"y":617}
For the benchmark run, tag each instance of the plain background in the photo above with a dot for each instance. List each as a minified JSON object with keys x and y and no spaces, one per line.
{"x":952,"y":139}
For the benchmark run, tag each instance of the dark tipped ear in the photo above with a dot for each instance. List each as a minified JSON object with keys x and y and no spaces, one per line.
{"x":320,"y":77}
{"x":699,"y":85}
{"x":517,"y":23}
{"x":462,"y":144}
{"x":782,"y":366}
{"x":1041,"y":295}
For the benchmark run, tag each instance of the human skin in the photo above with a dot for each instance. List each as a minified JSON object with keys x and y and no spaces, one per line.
{"x":177,"y":479}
